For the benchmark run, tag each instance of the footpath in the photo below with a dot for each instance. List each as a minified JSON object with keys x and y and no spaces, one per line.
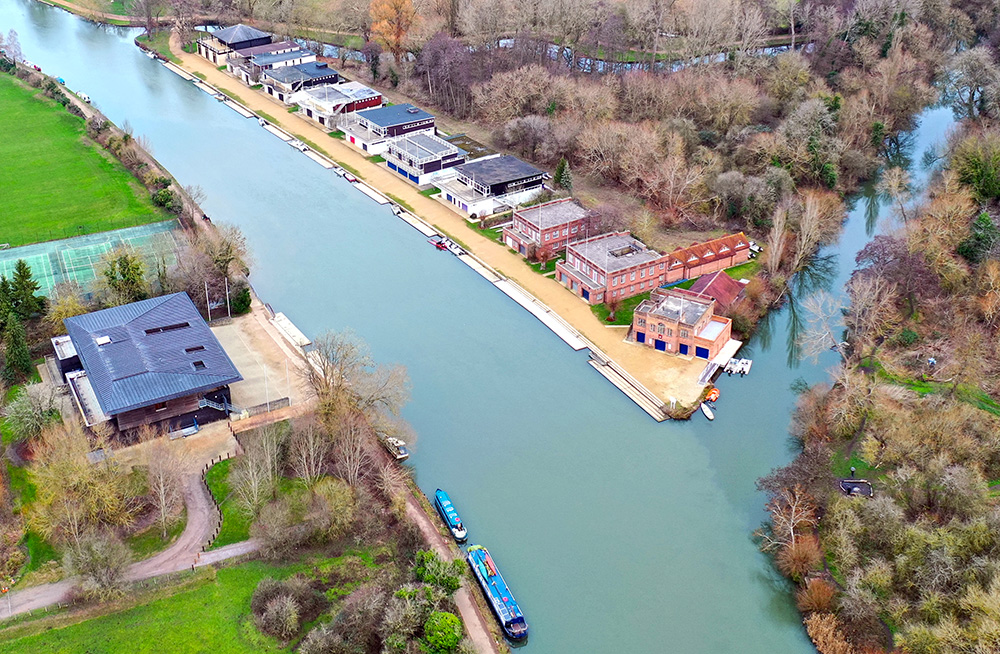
{"x":665,"y":377}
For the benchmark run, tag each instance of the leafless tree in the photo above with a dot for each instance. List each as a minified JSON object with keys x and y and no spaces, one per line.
{"x":776,"y":240}
{"x":12,"y":46}
{"x":309,"y":450}
{"x":810,"y":231}
{"x":823,"y":312}
{"x":256,"y":472}
{"x":872,"y":313}
{"x":353,"y":448}
{"x":163,"y":475}
{"x":793,"y":514}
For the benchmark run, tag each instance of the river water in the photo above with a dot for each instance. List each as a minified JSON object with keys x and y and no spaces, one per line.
{"x":617,"y":534}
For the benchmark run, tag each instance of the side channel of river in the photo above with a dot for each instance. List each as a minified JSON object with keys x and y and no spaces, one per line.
{"x":617,"y":534}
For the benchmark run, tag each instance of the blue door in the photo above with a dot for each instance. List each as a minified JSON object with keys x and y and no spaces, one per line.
{"x":660,"y":345}
{"x":586,"y":294}
{"x":683,"y":348}
{"x":701,"y":352}
{"x":520,"y":249}
{"x":640,"y":337}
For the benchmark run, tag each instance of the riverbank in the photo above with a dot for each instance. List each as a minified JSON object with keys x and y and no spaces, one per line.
{"x":665,"y":377}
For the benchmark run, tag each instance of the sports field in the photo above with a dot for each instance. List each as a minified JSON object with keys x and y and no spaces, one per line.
{"x":55,"y":183}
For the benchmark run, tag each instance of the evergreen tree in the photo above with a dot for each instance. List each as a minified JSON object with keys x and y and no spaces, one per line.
{"x":17,"y":365}
{"x":22,"y":290}
{"x":563,"y":176}
{"x":6,"y":301}
{"x":124,"y":276}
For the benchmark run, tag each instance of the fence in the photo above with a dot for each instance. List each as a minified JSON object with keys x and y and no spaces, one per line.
{"x":215,"y":503}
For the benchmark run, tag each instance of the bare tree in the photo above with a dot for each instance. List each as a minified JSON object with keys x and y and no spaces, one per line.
{"x":12,"y":46}
{"x":163,"y":475}
{"x":895,"y":183}
{"x":793,"y":514}
{"x":309,"y":450}
{"x":872,"y":313}
{"x":353,"y":448}
{"x":776,"y":240}
{"x":810,"y":231}
{"x":256,"y":472}
{"x":823,"y":312}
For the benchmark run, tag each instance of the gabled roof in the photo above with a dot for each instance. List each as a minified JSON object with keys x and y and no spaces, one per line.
{"x":718,"y":286}
{"x":397,"y":114}
{"x":497,"y":170}
{"x":239,"y":34}
{"x":151,"y":351}
{"x":718,"y":248}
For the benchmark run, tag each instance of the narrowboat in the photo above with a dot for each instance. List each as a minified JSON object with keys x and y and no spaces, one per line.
{"x":396,"y":448}
{"x":500,"y":598}
{"x":450,"y":516}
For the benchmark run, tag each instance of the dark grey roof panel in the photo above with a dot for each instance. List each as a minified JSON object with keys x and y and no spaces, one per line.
{"x":136,"y":355}
{"x":239,"y":34}
{"x":497,"y":170}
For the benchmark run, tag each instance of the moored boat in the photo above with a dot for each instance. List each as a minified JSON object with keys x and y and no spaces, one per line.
{"x":450,"y":516}
{"x":707,"y":410}
{"x":351,"y":178}
{"x":495,"y":588}
{"x":397,"y":448}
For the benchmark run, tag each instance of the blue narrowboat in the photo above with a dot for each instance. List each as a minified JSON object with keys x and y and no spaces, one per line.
{"x":495,"y":588}
{"x":450,"y":516}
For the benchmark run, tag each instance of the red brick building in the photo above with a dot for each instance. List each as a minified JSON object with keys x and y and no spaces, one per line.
{"x":611,"y":266}
{"x":680,"y":322}
{"x":546,"y":227}
{"x":703,"y":258}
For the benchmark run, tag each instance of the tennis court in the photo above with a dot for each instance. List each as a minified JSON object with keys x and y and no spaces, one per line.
{"x":77,"y":259}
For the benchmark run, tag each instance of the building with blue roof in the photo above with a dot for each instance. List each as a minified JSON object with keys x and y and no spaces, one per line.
{"x":372,"y":129}
{"x":143,"y":363}
{"x":282,"y":82}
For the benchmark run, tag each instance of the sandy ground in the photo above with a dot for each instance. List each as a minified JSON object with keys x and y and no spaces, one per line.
{"x":667,"y":376}
{"x":270,"y":368}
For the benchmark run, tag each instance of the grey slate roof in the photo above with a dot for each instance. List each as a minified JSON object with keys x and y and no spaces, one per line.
{"x":300,"y":72}
{"x":614,"y":252}
{"x":497,"y":170}
{"x":142,"y":365}
{"x":551,"y":214}
{"x":675,"y":306}
{"x":238,"y":34}
{"x":397,"y":114}
{"x":280,"y":46}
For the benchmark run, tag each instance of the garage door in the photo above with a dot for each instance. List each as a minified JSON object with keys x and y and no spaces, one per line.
{"x":701,"y":352}
{"x":640,"y":337}
{"x":660,"y":345}
{"x":683,"y":348}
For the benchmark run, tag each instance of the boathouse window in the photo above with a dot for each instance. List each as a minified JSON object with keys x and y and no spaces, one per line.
{"x":631,"y":289}
{"x":659,"y":329}
{"x":670,"y":332}
{"x":684,"y":333}
{"x":565,"y":231}
{"x":574,"y":230}
{"x":661,"y":265}
{"x":632,"y":276}
{"x":642,"y":274}
{"x":642,"y":322}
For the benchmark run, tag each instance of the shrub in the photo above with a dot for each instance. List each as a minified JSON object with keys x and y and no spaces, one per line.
{"x":824,"y":630}
{"x":280,"y":618}
{"x":168,"y":200}
{"x":982,"y":235}
{"x":977,"y":162}
{"x":429,"y":568}
{"x":30,"y":411}
{"x":816,"y":596}
{"x":800,"y":557}
{"x":241,"y":300}
{"x":907,"y":337}
{"x":101,"y":561}
{"x":443,"y":632}
{"x":75,"y":110}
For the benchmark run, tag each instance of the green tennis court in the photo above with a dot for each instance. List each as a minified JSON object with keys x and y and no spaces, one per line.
{"x":77,"y":259}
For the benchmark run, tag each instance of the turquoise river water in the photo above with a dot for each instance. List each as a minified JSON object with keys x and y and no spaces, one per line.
{"x":617,"y":534}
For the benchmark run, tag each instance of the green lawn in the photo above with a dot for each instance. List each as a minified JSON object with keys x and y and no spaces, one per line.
{"x":150,"y":541}
{"x":494,"y":233}
{"x":54,"y":182}
{"x":235,"y":523}
{"x":337,"y":134}
{"x":209,"y":617}
{"x":624,"y":314}
{"x":549,"y":266}
{"x":160,"y":43}
{"x":376,"y":159}
{"x":427,"y":192}
{"x":744,"y":270}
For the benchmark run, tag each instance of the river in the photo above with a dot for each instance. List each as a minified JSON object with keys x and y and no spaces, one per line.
{"x":616,"y":533}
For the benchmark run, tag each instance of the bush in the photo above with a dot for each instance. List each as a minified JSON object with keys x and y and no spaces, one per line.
{"x":101,"y":561}
{"x":30,"y":411}
{"x":74,"y":109}
{"x":907,"y":337}
{"x":799,"y":558}
{"x":816,"y":596}
{"x":168,"y":200}
{"x":280,"y":618}
{"x":443,"y":632}
{"x":977,"y":162}
{"x":241,"y":301}
{"x":982,"y":235}
{"x":429,"y":568}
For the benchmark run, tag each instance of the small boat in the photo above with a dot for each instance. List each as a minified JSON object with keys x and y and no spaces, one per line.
{"x":61,"y":81}
{"x":497,"y":593}
{"x":298,"y":145}
{"x":349,"y":177}
{"x":455,"y":248}
{"x":745,"y":365}
{"x":731,"y":366}
{"x":397,"y":448}
{"x":150,"y":54}
{"x":261,"y":122}
{"x":713,"y":395}
{"x":707,"y":410}
{"x":84,"y":96}
{"x":450,"y":516}
{"x":339,"y":171}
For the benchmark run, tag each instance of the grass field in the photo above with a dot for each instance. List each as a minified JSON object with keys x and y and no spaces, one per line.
{"x":159,"y":43}
{"x":210,"y":617}
{"x":55,"y":183}
{"x":235,"y":523}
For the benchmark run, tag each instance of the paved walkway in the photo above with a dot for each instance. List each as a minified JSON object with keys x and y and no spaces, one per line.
{"x":665,"y":375}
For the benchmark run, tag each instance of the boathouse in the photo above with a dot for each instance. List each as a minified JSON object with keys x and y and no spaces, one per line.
{"x":679,"y":322}
{"x":422,"y":158}
{"x":371,"y":130}
{"x":237,"y":63}
{"x":611,"y":266}
{"x":217,"y":46}
{"x":546,"y":229}
{"x":282,"y":82}
{"x":153,"y":361}
{"x":489,"y":185}
{"x":327,"y":102}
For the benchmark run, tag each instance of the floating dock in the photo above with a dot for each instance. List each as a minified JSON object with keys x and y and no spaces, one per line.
{"x":548,"y":317}
{"x":372,"y":193}
{"x":318,"y":158}
{"x":177,"y":70}
{"x":240,"y":109}
{"x":280,"y":133}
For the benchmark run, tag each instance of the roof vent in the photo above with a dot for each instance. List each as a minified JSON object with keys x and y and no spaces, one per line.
{"x":199,"y":365}
{"x":413,"y":110}
{"x":321,"y":64}
{"x":103,"y":340}
{"x":166,"y":328}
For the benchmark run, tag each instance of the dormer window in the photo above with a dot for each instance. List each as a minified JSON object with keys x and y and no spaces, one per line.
{"x":103,"y":340}
{"x":199,"y":365}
